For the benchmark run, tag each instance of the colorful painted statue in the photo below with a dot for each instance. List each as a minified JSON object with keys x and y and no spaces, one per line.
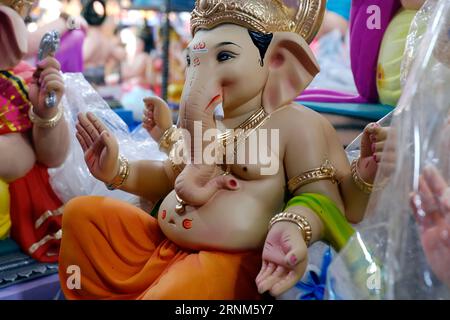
{"x":33,"y":137}
{"x":392,"y":51}
{"x":211,"y":239}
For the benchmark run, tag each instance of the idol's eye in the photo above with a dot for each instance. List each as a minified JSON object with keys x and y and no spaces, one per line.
{"x":225,"y":55}
{"x":188,"y":60}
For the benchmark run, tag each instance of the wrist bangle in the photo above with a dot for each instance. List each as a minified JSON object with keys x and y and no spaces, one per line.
{"x":299,"y":220}
{"x":166,"y":142}
{"x":365,"y":187}
{"x":45,"y":123}
{"x":121,"y":177}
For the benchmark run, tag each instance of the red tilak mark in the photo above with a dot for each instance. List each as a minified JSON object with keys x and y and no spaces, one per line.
{"x":163,"y":214}
{"x":200,"y":46}
{"x":213,"y":100}
{"x":187,"y":223}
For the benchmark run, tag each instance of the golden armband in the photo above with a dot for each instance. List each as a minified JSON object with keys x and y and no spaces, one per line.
{"x":325,"y":172}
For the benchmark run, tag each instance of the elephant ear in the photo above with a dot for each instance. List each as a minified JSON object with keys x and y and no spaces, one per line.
{"x":292,"y":67}
{"x":13,"y":38}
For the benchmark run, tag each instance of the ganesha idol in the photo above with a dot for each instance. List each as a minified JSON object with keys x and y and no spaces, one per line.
{"x":226,"y":228}
{"x":33,"y":137}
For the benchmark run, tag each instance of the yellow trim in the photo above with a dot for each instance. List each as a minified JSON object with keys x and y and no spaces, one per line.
{"x":5,"y":221}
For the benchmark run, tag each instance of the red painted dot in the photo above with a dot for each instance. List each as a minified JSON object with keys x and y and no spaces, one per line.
{"x":233,"y":183}
{"x":163,"y":214}
{"x":187,"y":223}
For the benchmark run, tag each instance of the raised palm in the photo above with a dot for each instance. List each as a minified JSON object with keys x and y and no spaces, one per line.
{"x":372,"y":150}
{"x":100,"y":148}
{"x":157,"y":117}
{"x":284,"y":259}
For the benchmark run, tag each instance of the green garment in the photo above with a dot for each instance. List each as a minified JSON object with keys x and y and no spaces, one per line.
{"x":337,"y":231}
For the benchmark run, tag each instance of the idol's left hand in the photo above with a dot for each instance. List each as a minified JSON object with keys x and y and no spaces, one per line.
{"x":285,"y":258}
{"x":372,"y":151}
{"x":46,"y":78}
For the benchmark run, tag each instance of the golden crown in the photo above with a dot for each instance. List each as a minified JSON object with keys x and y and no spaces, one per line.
{"x":267,"y":16}
{"x":17,"y":5}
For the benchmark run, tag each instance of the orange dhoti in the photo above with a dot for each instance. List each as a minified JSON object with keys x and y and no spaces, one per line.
{"x":121,"y":253}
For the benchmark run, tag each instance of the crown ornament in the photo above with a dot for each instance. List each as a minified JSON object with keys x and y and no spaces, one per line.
{"x":267,"y":16}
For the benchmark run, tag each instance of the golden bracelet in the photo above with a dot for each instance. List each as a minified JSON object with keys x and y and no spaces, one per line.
{"x":325,"y":172}
{"x":166,"y":142}
{"x":365,"y":187}
{"x":45,"y":123}
{"x":175,"y":167}
{"x":299,"y":220}
{"x":174,"y":158}
{"x":121,"y":177}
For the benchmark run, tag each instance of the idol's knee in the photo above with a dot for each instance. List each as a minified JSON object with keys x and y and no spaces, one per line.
{"x":79,"y":211}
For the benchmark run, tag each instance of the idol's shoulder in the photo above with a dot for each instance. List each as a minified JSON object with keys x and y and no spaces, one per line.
{"x":296,"y":117}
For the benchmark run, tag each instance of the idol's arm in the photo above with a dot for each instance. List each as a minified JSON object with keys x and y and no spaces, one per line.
{"x":51,"y":144}
{"x":50,"y":134}
{"x":316,"y":146}
{"x":355,"y":200}
{"x":286,"y":247}
{"x":146,"y":178}
{"x":149,"y":179}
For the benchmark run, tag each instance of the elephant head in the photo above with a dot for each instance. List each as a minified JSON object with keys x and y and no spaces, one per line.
{"x":243,"y":70}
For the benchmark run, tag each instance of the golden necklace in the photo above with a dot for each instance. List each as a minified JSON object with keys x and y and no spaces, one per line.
{"x":252,"y":123}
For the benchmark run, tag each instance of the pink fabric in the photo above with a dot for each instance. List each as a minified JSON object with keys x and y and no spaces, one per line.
{"x":14,"y":103}
{"x":70,"y":53}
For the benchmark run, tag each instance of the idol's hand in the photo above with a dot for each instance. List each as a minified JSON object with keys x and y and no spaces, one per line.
{"x":431,"y":206}
{"x":157,"y":117}
{"x":372,"y":146}
{"x":285,"y":258}
{"x":101,"y":150}
{"x":47,"y":78}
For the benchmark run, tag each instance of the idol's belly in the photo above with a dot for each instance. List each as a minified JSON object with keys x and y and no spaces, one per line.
{"x":230,"y":221}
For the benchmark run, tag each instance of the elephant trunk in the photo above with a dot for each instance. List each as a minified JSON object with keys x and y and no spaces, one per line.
{"x":199,"y":180}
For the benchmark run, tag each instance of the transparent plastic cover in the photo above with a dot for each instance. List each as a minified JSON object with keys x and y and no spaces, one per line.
{"x":389,"y":256}
{"x":73,"y":177}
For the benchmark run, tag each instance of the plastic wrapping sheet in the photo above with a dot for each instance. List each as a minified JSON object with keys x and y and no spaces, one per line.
{"x":415,"y":36}
{"x":385,"y":258}
{"x":73,"y":177}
